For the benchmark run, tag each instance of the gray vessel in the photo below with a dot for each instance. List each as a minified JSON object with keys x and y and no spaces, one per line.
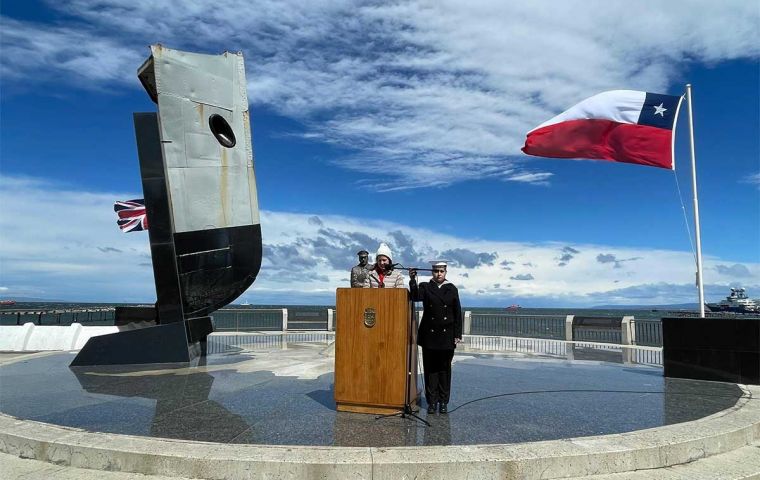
{"x":736,"y":302}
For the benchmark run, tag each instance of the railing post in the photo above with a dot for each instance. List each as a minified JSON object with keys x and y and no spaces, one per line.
{"x":24,"y":339}
{"x":634,"y":340}
{"x":77,"y":329}
{"x":627,"y":332}
{"x":569,"y":328}
{"x":329,"y":319}
{"x":467,"y":322}
{"x":284,"y":319}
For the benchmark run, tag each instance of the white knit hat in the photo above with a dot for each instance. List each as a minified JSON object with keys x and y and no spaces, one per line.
{"x":385,"y":250}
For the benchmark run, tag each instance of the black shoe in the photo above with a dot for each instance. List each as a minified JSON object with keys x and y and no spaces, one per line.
{"x":431,"y":408}
{"x":444,"y":408}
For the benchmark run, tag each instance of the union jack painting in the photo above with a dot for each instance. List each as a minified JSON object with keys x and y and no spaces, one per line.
{"x":132,"y":217}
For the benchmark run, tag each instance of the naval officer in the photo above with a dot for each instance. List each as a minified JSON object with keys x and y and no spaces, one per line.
{"x":439,"y":332}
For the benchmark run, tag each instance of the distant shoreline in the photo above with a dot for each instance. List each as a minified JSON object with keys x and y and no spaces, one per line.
{"x":641,"y":313}
{"x":680,"y":306}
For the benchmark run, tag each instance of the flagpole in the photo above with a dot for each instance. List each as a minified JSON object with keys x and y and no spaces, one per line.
{"x":697,"y":232}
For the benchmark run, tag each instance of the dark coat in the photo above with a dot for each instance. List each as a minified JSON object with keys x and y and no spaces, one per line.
{"x":441,"y":315}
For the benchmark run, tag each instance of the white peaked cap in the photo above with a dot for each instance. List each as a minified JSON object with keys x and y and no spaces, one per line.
{"x":439,"y":263}
{"x":385,"y":250}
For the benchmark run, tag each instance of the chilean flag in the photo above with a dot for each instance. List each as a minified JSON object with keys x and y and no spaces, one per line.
{"x":619,"y":126}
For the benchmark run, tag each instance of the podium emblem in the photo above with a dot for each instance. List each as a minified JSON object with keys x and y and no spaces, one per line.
{"x":369,"y":317}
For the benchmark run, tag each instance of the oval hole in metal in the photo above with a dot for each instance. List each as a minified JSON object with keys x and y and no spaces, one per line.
{"x":221,"y":130}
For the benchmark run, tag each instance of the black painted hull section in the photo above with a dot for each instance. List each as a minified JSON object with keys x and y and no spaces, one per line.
{"x":216,"y":266}
{"x":196,"y":272}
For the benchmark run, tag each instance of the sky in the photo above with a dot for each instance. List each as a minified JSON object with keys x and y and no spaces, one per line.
{"x":397,"y":122}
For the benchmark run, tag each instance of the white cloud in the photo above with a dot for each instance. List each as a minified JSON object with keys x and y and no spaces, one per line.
{"x":52,"y":240}
{"x":736,"y":270}
{"x":76,"y":252}
{"x":446,"y":87}
{"x":36,"y":53}
{"x":753,"y":179}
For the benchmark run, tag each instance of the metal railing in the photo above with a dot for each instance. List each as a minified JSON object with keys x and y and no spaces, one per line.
{"x":227,"y":342}
{"x":507,"y":344}
{"x":597,"y":329}
{"x":307,"y":318}
{"x":649,"y":333}
{"x":242,"y":320}
{"x":647,"y":356}
{"x":315,"y":318}
{"x":95,"y":316}
{"x":530,"y":326}
{"x":577,"y":350}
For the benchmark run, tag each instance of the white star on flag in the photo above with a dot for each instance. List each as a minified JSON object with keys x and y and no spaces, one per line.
{"x":659,"y":110}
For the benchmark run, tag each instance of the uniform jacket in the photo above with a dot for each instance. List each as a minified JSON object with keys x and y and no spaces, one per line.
{"x":441,"y":314}
{"x":358,"y":275}
{"x":391,"y":280}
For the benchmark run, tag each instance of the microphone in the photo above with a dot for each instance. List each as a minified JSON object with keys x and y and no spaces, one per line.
{"x":391,"y":266}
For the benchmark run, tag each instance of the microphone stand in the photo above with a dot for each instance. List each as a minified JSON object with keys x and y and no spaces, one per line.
{"x":401,"y":267}
{"x":411,"y":344}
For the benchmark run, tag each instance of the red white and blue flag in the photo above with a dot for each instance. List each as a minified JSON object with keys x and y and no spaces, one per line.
{"x":619,"y":126}
{"x":132,"y":217}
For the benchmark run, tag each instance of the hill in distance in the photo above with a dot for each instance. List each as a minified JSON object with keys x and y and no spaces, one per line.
{"x":672,"y":306}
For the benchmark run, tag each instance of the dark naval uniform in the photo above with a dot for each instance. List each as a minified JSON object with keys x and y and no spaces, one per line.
{"x":441,"y":324}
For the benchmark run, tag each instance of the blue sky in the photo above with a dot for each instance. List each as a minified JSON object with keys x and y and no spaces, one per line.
{"x":399,"y":122}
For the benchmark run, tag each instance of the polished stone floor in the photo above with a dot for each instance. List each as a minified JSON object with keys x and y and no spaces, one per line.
{"x":268,"y":394}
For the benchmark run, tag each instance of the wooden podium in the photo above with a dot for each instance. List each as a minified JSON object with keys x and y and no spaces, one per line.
{"x":375,"y":350}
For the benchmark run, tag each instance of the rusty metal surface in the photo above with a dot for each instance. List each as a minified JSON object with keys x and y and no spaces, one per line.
{"x":210,"y":185}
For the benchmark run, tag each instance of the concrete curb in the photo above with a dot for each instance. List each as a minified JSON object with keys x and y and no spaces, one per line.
{"x":722,"y":432}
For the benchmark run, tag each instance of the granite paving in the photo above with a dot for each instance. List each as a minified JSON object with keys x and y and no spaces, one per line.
{"x":283,"y":395}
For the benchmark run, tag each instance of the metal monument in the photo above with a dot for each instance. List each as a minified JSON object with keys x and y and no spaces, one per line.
{"x":196,"y":164}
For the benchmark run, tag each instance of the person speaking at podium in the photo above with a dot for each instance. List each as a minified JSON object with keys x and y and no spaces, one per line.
{"x":439,"y":332}
{"x":382,"y":274}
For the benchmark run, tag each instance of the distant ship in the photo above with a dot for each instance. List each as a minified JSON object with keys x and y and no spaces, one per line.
{"x":514,"y":306}
{"x":736,"y":302}
{"x":7,"y":302}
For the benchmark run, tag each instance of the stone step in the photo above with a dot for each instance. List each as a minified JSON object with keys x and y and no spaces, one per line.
{"x":740,"y":464}
{"x":15,"y":468}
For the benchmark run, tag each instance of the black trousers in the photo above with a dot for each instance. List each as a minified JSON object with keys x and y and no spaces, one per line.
{"x":437,"y":372}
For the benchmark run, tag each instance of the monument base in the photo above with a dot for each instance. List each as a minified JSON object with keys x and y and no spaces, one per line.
{"x":720,"y":349}
{"x":177,"y":342}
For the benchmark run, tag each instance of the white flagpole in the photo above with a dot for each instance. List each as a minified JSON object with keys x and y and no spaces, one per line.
{"x":697,"y":232}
